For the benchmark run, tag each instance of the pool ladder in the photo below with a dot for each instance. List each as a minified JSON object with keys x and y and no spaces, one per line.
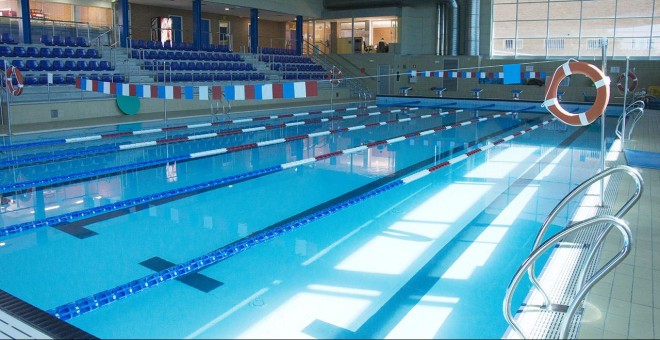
{"x":598,"y":226}
{"x":633,"y":113}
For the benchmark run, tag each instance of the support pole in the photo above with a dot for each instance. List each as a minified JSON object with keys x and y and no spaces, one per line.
{"x":603,"y":44}
{"x":625,"y":112}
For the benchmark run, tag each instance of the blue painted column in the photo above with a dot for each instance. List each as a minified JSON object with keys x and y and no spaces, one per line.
{"x":122,"y":13}
{"x":25,"y":18}
{"x":254,"y":30}
{"x":299,"y":34}
{"x":197,"y":24}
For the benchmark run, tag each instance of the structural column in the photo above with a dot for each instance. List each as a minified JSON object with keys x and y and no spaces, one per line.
{"x":299,"y":34}
{"x":254,"y":30}
{"x":197,"y":24}
{"x":25,"y":17}
{"x":122,"y":13}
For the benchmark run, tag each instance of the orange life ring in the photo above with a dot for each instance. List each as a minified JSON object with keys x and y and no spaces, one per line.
{"x":335,"y":76}
{"x":12,"y":72}
{"x":632,"y":82}
{"x":601,"y":82}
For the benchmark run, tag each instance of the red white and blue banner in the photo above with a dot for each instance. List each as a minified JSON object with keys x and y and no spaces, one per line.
{"x":290,"y":90}
{"x":477,"y":75}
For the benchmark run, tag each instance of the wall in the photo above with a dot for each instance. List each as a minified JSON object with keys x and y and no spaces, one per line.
{"x":268,"y":30}
{"x":149,"y":108}
{"x":579,"y":85}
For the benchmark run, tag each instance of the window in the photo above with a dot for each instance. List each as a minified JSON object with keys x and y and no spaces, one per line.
{"x":575,"y":27}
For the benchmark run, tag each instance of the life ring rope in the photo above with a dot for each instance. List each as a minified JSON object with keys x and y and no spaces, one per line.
{"x":12,"y":72}
{"x":335,"y":75}
{"x":601,"y":82}
{"x":632,"y":84}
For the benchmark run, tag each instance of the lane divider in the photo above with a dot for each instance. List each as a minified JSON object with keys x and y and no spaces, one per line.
{"x":95,"y":301}
{"x":19,"y":186}
{"x":96,"y":211}
{"x":171,"y":128}
{"x":113,"y":148}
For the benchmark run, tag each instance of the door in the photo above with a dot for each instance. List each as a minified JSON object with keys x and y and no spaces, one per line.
{"x":177,"y":28}
{"x":383,"y":86}
{"x":206,"y":32}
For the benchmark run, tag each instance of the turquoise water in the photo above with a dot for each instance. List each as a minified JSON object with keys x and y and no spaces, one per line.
{"x":427,"y":259}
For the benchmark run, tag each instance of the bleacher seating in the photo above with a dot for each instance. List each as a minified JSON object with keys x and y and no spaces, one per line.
{"x":178,"y":62}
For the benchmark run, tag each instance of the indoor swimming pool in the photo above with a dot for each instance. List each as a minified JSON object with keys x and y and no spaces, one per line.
{"x":348,"y":221}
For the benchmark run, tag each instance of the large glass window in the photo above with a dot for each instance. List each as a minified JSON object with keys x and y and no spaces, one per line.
{"x":547,"y":28}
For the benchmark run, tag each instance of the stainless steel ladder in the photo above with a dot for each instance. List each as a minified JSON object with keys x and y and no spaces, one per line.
{"x":601,"y":226}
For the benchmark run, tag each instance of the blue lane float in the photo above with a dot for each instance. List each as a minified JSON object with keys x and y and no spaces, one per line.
{"x":71,"y":177}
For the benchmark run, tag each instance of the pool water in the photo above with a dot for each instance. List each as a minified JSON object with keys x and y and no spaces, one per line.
{"x":427,"y":259}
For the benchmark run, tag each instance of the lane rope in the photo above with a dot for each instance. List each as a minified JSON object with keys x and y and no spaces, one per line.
{"x":95,"y":301}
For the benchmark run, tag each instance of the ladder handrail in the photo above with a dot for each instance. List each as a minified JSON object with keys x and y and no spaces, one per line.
{"x":636,"y":118}
{"x":639,"y":181}
{"x":541,"y":249}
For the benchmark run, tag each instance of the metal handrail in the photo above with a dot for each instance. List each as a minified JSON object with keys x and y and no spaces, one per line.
{"x":637,"y":177}
{"x":579,"y":296}
{"x":355,"y":86}
{"x":639,"y":110}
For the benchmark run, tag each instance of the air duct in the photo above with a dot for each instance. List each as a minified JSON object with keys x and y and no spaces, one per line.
{"x":453,"y":43}
{"x":473,"y":27}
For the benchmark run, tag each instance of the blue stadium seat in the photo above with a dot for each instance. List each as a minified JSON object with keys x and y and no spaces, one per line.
{"x":20,"y":51}
{"x":19,"y":64}
{"x":118,"y":78}
{"x":57,"y":52}
{"x":199,"y":66}
{"x":81,"y":65}
{"x":46,"y":40}
{"x":158,"y":45}
{"x":153,"y":54}
{"x":150,"y":44}
{"x":69,"y":53}
{"x":138,"y":44}
{"x":70,"y":78}
{"x":45,"y":52}
{"x":167,"y":45}
{"x":92,"y":65}
{"x":30,"y":80}
{"x":7,"y":38}
{"x":162,"y":55}
{"x":187,"y":77}
{"x":81,"y":42}
{"x":194,"y":56}
{"x":45,"y":65}
{"x":32,"y":65}
{"x":178,"y":55}
{"x":93,"y":53}
{"x":69,"y":65}
{"x":70,"y":41}
{"x":58,"y":79}
{"x":57,"y":66}
{"x":169,"y":55}
{"x":6,"y":51}
{"x":32,"y":52}
{"x":107,"y":77}
{"x":57,"y":41}
{"x":93,"y":76}
{"x":104,"y":65}
{"x":81,"y":53}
